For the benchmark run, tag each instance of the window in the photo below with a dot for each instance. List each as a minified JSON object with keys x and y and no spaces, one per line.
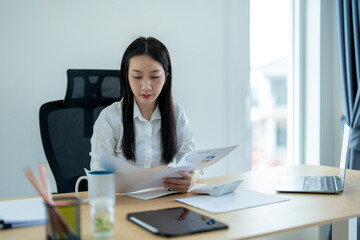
{"x":270,"y":46}
{"x":279,"y":91}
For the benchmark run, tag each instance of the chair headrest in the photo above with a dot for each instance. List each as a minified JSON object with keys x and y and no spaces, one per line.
{"x":90,"y":88}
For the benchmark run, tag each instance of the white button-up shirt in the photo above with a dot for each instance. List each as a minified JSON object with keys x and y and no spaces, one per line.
{"x":108,"y":134}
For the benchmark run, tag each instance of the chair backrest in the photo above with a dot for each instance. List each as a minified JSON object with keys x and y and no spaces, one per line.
{"x":66,"y":125}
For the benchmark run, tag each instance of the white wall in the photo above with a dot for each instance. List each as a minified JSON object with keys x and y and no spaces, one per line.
{"x":41,"y":39}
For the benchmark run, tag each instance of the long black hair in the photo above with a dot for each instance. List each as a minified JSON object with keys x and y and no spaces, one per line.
{"x":154,"y":48}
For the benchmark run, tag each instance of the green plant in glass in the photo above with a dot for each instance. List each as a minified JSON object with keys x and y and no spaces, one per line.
{"x":103,"y":224}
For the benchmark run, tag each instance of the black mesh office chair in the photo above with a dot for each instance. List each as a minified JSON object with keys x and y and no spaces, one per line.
{"x":66,"y":125}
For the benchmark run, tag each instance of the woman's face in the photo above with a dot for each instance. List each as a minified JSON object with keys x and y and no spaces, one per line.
{"x":146,"y":79}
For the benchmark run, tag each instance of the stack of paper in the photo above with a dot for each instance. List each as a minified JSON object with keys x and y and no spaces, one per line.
{"x":22,"y":212}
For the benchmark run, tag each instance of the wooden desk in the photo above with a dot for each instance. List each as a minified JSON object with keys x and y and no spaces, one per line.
{"x":304,"y":210}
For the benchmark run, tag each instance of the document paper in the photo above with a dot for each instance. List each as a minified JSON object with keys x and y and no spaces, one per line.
{"x":130,"y":178}
{"x":200,"y":159}
{"x":240,"y":199}
{"x":23,"y":212}
{"x":151,"y":193}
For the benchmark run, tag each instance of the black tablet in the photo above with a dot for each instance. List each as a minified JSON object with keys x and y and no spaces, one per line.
{"x":173,"y":222}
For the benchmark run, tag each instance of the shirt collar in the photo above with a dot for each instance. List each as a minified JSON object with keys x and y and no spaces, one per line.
{"x":137,"y":114}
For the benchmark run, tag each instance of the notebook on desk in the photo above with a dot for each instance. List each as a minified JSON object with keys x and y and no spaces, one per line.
{"x":22,"y":213}
{"x":320,"y":184}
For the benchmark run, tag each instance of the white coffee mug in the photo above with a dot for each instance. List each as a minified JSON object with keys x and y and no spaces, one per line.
{"x":101,"y":184}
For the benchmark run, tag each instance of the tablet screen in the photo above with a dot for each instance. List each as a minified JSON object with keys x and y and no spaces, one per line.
{"x":175,"y":221}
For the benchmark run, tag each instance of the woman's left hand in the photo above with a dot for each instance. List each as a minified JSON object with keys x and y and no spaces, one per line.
{"x":182,"y":184}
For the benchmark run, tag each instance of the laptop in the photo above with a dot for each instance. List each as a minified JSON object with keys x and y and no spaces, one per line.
{"x":319,"y":184}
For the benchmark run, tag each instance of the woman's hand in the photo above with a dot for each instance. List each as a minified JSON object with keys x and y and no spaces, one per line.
{"x":182,"y":184}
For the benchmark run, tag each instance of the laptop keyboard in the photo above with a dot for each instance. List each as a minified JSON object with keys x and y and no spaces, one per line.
{"x":319,"y":183}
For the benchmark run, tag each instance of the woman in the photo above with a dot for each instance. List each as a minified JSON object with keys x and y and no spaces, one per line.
{"x":145,"y":127}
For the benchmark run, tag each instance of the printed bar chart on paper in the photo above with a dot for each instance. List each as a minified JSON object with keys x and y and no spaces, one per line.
{"x":200,"y":159}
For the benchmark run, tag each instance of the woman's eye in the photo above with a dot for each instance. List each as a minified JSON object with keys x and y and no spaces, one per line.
{"x":155,"y":77}
{"x":136,"y":77}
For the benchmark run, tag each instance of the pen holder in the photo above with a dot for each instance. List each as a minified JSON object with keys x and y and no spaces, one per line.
{"x":63,"y":219}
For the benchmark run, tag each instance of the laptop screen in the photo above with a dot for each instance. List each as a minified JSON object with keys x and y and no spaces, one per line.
{"x":344,"y":151}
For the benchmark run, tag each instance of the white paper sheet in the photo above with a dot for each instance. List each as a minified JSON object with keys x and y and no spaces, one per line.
{"x":201,"y":159}
{"x":151,"y":193}
{"x":240,"y":199}
{"x":129,"y":178}
{"x":23,"y":212}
